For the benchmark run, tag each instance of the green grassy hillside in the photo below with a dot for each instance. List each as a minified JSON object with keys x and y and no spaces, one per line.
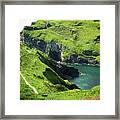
{"x":31,"y":69}
{"x":35,"y":85}
{"x":80,"y":37}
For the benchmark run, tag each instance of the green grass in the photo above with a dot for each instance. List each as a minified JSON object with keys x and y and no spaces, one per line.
{"x":75,"y":36}
{"x":32,"y":69}
{"x":76,"y":94}
{"x":48,"y":88}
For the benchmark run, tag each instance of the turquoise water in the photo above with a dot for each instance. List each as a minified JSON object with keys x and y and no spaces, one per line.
{"x":89,"y":76}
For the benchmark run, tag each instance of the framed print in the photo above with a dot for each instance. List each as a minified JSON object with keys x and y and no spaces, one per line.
{"x":60,"y":59}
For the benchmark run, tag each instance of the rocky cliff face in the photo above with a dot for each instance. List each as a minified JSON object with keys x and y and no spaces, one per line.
{"x":63,"y":71}
{"x":75,"y":59}
{"x":70,"y":44}
{"x":54,"y":51}
{"x":33,"y":42}
{"x":55,"y":79}
{"x":52,"y":48}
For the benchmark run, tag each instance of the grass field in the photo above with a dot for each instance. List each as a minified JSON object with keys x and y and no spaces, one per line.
{"x":74,"y":37}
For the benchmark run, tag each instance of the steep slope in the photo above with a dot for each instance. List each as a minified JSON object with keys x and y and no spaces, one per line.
{"x":72,"y":41}
{"x":35,"y":84}
{"x":37,"y":76}
{"x":46,"y":47}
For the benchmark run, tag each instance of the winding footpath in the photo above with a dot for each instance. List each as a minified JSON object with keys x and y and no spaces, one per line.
{"x":33,"y":88}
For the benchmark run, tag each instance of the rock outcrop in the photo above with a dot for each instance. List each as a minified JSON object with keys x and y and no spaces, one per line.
{"x":51,"y":48}
{"x":75,"y":59}
{"x":55,"y":79}
{"x":43,"y":26}
{"x":62,"y":70}
{"x":72,"y":59}
{"x":54,"y":51}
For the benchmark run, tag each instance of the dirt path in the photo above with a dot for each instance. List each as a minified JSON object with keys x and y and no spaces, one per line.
{"x":36,"y":92}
